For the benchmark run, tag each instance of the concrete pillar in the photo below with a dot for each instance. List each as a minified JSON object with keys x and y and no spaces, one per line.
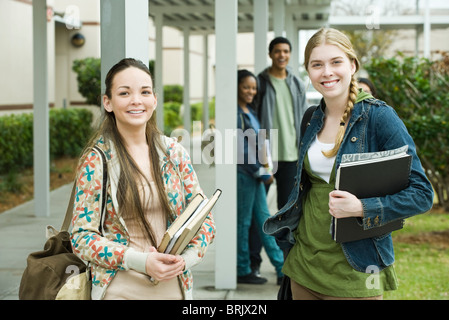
{"x":427,"y":29}
{"x":158,"y":70}
{"x":417,"y":30}
{"x":41,"y":136}
{"x":260,"y":35}
{"x":124,"y":33}
{"x":186,"y":91}
{"x":225,"y":143}
{"x":292,"y":35}
{"x":205,"y":82}
{"x":278,"y":9}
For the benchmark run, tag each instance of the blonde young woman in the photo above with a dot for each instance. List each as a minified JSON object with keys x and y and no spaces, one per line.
{"x":151,"y":180}
{"x":346,"y":121}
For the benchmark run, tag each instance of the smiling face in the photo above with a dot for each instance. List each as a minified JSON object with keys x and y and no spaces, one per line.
{"x":132,"y":99}
{"x":280,"y":56}
{"x":247,"y":89}
{"x":330,"y":71}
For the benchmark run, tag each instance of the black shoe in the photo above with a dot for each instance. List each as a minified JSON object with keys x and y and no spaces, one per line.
{"x":251,"y":279}
{"x":256,"y":270}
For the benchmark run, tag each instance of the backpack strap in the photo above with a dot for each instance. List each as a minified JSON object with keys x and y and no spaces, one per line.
{"x":104,"y":189}
{"x":69,"y":211}
{"x":306,"y":118}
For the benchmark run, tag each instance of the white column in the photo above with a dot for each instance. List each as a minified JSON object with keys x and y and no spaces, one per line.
{"x":292,"y":35}
{"x":427,"y":29}
{"x":205,"y":82}
{"x":124,"y":33}
{"x":417,"y":30}
{"x":279,"y":18}
{"x":137,"y":37}
{"x":158,"y":70}
{"x":260,"y":35}
{"x":186,"y":91}
{"x":226,"y":149}
{"x":41,"y":136}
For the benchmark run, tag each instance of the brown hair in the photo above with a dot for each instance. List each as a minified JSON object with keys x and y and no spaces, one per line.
{"x":339,"y":39}
{"x":128,"y":195}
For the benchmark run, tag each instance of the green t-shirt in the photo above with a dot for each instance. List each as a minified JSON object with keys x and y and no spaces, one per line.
{"x":317,"y":262}
{"x":285,"y":146}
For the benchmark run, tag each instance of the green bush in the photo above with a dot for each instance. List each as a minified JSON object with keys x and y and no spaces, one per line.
{"x":88,"y":72}
{"x":16,"y":142}
{"x":197,"y":110}
{"x":172,"y":118}
{"x":173,"y":93}
{"x":418,"y":90}
{"x":69,"y":131}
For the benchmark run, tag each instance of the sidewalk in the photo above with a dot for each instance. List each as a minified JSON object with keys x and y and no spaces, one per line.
{"x":22,"y":233}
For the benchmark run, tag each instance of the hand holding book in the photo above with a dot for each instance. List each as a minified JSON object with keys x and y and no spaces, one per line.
{"x":165,"y":262}
{"x":367,"y":175}
{"x":160,"y":266}
{"x":343,"y":204}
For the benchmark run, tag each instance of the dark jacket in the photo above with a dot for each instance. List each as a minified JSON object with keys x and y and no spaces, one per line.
{"x":266,"y":100}
{"x":249,"y":140}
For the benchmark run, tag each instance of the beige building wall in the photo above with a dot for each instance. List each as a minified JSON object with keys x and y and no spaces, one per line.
{"x":16,"y":56}
{"x":406,"y":42}
{"x":88,"y":12}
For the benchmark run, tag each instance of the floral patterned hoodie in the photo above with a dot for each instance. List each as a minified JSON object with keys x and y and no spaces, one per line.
{"x":107,"y":249}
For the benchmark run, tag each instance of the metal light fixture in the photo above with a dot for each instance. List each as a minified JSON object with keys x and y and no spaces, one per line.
{"x":78,"y":40}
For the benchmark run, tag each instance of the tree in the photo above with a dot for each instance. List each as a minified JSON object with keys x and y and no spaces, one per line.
{"x":418,"y":89}
{"x":369,"y":44}
{"x":88,"y":72}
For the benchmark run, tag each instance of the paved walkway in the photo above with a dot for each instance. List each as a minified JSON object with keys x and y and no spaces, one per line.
{"x":21,"y":233}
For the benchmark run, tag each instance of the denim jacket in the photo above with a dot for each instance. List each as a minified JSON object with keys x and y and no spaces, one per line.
{"x":249,"y":140}
{"x":373,"y":126}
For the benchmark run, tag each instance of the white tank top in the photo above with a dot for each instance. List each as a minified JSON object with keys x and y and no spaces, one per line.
{"x":319,"y":163}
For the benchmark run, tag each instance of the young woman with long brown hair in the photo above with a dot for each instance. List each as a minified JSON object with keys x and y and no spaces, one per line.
{"x":151,"y":181}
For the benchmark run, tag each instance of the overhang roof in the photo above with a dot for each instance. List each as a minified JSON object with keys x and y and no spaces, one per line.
{"x":388,"y":22}
{"x":199,"y":15}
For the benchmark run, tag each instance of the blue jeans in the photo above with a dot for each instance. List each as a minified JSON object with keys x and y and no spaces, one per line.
{"x":252,"y":202}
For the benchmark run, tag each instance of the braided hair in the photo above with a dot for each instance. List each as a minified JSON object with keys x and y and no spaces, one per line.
{"x":339,"y":39}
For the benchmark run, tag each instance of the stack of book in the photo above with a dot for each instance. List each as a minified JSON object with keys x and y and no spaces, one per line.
{"x":368,"y":175}
{"x":187,"y":224}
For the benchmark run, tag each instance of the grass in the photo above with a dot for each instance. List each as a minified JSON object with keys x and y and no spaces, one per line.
{"x":422,"y":258}
{"x":421,"y":247}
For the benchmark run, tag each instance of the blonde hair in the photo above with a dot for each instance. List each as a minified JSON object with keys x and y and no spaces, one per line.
{"x":339,"y":39}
